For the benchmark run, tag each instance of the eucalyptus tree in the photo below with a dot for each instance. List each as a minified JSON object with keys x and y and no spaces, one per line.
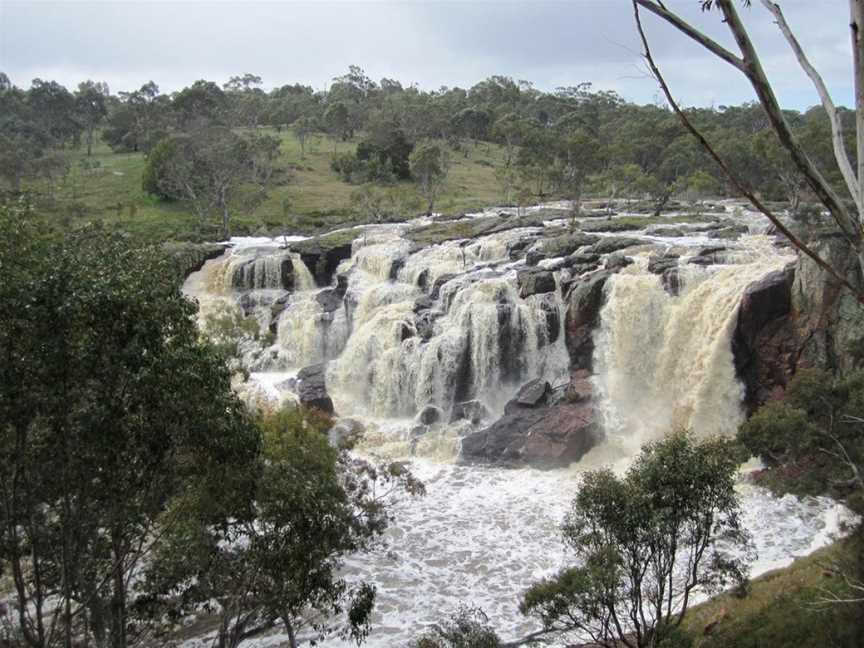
{"x":644,"y":544}
{"x":110,"y":406}
{"x":430,"y":164}
{"x":91,"y":108}
{"x":272,"y":555}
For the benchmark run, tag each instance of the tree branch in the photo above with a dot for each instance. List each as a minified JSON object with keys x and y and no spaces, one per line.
{"x":775,"y":220}
{"x":658,"y":9}
{"x":840,"y":153}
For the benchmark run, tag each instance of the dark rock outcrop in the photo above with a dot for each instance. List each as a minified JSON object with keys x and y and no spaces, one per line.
{"x":329,"y":299}
{"x":429,"y":415}
{"x":323,"y":254}
{"x":312,"y":388}
{"x":617,"y":261}
{"x":583,"y":315}
{"x":558,"y":246}
{"x":610,"y":244}
{"x":764,"y":344}
{"x":535,"y":282}
{"x":535,"y":431}
{"x":473,"y":411}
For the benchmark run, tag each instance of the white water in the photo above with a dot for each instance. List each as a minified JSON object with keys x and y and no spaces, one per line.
{"x":482,"y":535}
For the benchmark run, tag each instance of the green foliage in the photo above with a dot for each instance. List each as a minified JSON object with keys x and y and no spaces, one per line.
{"x":467,"y":628}
{"x":111,"y":406}
{"x":430,"y":164}
{"x":274,"y":552}
{"x":630,"y":537}
{"x":812,"y":440}
{"x":153,"y":180}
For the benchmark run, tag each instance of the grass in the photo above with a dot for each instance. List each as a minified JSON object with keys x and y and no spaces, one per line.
{"x":318,"y":199}
{"x":781,"y":609}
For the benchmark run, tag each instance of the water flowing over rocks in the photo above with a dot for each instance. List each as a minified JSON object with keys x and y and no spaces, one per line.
{"x":441,"y":343}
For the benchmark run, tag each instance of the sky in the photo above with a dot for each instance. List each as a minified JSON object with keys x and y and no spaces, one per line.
{"x":432,"y":43}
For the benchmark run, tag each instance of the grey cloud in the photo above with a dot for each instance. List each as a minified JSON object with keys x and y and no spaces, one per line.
{"x":430,"y":43}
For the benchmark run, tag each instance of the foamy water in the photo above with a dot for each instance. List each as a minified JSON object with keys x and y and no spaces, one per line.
{"x":482,"y":535}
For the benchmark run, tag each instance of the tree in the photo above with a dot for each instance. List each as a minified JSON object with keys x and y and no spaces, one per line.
{"x":139,"y":121}
{"x":848,"y":221}
{"x":207,"y":168}
{"x":273,"y":557}
{"x":91,"y":107}
{"x":125,"y":408}
{"x":430,"y":165}
{"x":336,"y":122}
{"x":201,"y":104}
{"x":644,"y":543}
{"x":467,"y":628}
{"x":303,"y":128}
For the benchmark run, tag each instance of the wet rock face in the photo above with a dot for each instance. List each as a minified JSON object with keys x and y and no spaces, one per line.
{"x":538,"y":429}
{"x":765,"y":344}
{"x":535,"y":282}
{"x":429,"y":415}
{"x":312,"y":388}
{"x":584,"y":303}
{"x":472,"y":411}
{"x":323,"y":254}
{"x":329,"y":299}
{"x":666,"y":266}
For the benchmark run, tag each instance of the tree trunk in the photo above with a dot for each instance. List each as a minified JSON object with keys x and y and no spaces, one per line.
{"x":118,"y":594}
{"x":89,"y":142}
{"x":292,"y":637}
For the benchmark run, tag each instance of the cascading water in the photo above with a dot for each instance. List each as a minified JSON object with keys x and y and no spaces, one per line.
{"x":405,"y":328}
{"x":664,"y":362}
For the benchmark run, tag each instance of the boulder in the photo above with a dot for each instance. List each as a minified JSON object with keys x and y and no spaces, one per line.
{"x":660,"y":263}
{"x":728,"y":232}
{"x":668,"y":232}
{"x":312,"y":388}
{"x":543,"y":436}
{"x":617,"y":261}
{"x":611,"y":244}
{"x":329,"y":299}
{"x":535,"y":282}
{"x":429,"y":415}
{"x":473,"y":411}
{"x":530,"y":395}
{"x":584,"y":302}
{"x":341,"y":284}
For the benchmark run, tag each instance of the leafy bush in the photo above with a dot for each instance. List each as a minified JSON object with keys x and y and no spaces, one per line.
{"x":467,"y":628}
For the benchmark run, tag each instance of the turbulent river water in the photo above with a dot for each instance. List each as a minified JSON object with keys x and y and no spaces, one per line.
{"x":482,"y":534}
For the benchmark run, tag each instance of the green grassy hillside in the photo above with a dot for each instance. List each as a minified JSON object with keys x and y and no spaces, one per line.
{"x":318,"y":199}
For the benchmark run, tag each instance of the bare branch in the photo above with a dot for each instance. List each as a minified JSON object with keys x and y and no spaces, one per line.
{"x":711,"y":45}
{"x":849,"y":225}
{"x":800,"y":245}
{"x":840,"y":152}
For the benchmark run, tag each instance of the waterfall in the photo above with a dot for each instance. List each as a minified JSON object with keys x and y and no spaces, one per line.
{"x":665,"y":362}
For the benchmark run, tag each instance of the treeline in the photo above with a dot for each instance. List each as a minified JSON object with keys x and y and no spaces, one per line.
{"x":565,"y":143}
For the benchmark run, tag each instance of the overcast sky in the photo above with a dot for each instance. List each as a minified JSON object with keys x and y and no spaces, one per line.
{"x":431,"y":43}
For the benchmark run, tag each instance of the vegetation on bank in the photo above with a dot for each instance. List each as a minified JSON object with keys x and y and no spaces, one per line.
{"x":135,"y":486}
{"x":173,"y":166}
